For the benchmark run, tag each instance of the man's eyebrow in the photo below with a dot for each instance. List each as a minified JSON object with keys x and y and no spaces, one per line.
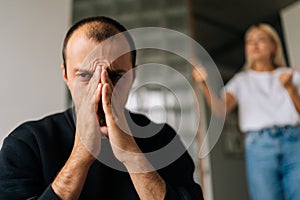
{"x":114,"y":71}
{"x":83,"y":70}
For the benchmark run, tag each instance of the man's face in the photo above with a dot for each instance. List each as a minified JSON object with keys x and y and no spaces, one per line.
{"x":83,"y":55}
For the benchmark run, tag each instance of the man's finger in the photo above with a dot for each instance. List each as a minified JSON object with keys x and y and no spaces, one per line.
{"x":105,"y":78}
{"x":106,"y":103}
{"x":97,"y":94}
{"x":93,"y":83}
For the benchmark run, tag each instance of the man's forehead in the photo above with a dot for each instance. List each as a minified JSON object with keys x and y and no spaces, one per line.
{"x":120,"y":63}
{"x":115,"y":42}
{"x":109,"y":49}
{"x":100,"y":37}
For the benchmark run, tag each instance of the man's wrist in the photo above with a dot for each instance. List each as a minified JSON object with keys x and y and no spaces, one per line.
{"x":73,"y":172}
{"x":137,"y":163}
{"x":82,"y":156}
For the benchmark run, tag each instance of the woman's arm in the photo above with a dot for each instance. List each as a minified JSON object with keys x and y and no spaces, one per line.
{"x":216,"y":104}
{"x":286,"y":81}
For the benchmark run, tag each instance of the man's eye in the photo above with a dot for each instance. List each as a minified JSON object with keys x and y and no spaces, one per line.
{"x":84,"y":76}
{"x":114,"y":77}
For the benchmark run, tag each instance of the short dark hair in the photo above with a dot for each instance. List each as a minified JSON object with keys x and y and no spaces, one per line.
{"x":108,"y":29}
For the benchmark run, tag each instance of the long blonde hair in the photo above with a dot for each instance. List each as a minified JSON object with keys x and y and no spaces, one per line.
{"x":278,"y":59}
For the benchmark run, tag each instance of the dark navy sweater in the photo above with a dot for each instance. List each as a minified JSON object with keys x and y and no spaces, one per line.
{"x":33,"y":154}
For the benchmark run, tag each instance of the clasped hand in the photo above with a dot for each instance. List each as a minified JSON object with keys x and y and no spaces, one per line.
{"x":88,"y":127}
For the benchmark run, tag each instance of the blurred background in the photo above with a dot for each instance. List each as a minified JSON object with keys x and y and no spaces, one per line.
{"x":31,"y":82}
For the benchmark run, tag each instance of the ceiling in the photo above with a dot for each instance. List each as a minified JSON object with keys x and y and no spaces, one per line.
{"x":219,"y":26}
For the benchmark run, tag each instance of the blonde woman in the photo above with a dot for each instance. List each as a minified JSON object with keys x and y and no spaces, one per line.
{"x":267,"y":95}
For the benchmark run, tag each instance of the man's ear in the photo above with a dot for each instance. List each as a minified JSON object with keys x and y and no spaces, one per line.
{"x":64,"y":73}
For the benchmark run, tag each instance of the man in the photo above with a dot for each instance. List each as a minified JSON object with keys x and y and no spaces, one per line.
{"x":58,"y":157}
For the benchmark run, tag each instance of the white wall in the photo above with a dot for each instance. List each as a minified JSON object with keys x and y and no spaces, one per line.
{"x":291,"y":24}
{"x":31,"y":37}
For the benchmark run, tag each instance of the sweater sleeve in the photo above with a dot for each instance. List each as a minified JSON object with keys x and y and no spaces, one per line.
{"x":178,"y":175}
{"x":20,"y":171}
{"x":181,"y":193}
{"x":183,"y":186}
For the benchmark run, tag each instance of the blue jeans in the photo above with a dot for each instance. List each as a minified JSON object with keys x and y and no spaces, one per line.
{"x":273,"y":163}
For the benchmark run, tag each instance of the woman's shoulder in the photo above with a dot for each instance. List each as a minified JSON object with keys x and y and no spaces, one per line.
{"x":280,"y":70}
{"x":240,"y":75}
{"x":283,"y":69}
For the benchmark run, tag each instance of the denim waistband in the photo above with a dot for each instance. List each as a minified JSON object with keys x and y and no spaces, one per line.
{"x":275,"y":130}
